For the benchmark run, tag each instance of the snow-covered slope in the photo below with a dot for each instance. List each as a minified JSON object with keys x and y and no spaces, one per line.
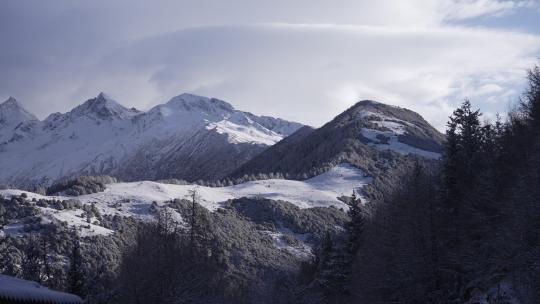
{"x":189,"y":137}
{"x":386,"y":133}
{"x":397,"y":129}
{"x":135,"y":198}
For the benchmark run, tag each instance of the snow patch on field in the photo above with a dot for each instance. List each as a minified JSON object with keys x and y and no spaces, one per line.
{"x":135,"y":198}
{"x":74,"y":218}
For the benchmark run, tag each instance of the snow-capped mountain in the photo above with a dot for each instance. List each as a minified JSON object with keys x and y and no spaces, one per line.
{"x":13,"y":117}
{"x":189,"y":137}
{"x":370,"y":135}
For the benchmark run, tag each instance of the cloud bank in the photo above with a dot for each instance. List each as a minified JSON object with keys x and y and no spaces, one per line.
{"x":306,"y":63}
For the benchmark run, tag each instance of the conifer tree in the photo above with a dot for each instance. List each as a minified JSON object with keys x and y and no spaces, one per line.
{"x":355,"y":225}
{"x":461,"y":154}
{"x":530,"y":103}
{"x":31,"y":263}
{"x":44,"y":251}
{"x":193,"y":230}
{"x":75,"y":272}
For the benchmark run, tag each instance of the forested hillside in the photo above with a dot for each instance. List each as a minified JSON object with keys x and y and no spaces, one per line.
{"x":467,"y":231}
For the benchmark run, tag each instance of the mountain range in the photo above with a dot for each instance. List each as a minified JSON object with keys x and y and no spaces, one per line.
{"x":193,"y":138}
{"x":190,"y":137}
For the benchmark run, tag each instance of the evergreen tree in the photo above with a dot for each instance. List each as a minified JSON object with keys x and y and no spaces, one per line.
{"x":200,"y":240}
{"x":355,"y":225}
{"x":194,"y":197}
{"x":451,"y":159}
{"x":530,"y":103}
{"x":335,"y":258}
{"x":31,"y":264}
{"x":329,"y":271}
{"x":75,"y":272}
{"x":461,"y":154}
{"x":45,"y":251}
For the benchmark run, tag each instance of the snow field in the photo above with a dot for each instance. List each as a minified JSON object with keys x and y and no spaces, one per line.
{"x":135,"y":198}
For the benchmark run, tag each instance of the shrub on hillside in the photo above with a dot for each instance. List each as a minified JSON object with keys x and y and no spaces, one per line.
{"x":81,"y":185}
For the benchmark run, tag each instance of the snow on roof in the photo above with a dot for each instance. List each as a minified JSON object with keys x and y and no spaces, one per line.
{"x":22,"y":290}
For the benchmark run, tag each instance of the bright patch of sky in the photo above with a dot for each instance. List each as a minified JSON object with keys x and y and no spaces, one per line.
{"x":524,"y":19}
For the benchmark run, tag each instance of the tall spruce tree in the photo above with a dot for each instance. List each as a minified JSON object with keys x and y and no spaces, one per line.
{"x":461,"y":157}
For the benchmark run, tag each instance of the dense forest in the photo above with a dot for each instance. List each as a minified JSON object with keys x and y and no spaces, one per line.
{"x":467,"y":230}
{"x":462,"y":230}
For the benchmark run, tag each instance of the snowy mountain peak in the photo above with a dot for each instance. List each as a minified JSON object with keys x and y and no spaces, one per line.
{"x":366,"y":102}
{"x":190,"y":137}
{"x":372,"y":111}
{"x":10,"y":101}
{"x":12,"y":113}
{"x":387,"y":127}
{"x":358,"y":135}
{"x":189,"y":112}
{"x":103,"y":107}
{"x":12,"y":104}
{"x":13,"y":116}
{"x":375,"y":106}
{"x":190,"y":102}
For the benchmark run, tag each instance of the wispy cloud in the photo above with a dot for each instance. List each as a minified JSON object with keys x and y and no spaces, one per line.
{"x":311,"y":73}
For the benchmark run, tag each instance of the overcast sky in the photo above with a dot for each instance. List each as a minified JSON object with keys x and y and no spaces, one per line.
{"x":303,"y":60}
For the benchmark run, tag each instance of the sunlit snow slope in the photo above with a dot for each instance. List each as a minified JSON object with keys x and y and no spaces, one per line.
{"x":136,"y":198}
